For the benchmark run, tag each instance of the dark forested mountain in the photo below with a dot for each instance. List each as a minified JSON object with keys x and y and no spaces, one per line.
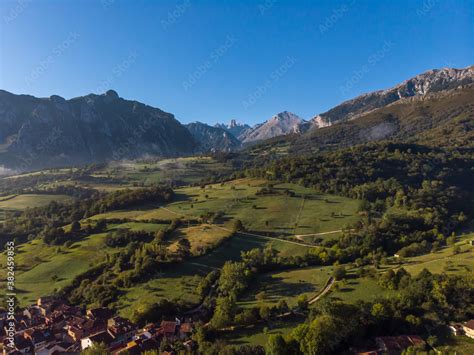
{"x":212,"y":139}
{"x":429,"y":82}
{"x":40,"y":132}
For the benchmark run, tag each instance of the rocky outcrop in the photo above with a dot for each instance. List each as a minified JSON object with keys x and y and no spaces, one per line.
{"x":281,"y":124}
{"x":212,"y":139}
{"x":432,"y":81}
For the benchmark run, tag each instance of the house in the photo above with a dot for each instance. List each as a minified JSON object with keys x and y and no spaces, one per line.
{"x":23,"y":345}
{"x":456,"y":328}
{"x":168,"y":328}
{"x":139,"y":346}
{"x":396,"y":344}
{"x":468,"y":328}
{"x":185,"y":330}
{"x":98,"y":338}
{"x":78,"y":327}
{"x":46,"y":304}
{"x":38,"y":337}
{"x":121,"y":330}
{"x":54,"y":349}
{"x":99,"y":313}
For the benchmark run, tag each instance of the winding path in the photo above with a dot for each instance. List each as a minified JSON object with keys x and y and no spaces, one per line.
{"x":325,"y":290}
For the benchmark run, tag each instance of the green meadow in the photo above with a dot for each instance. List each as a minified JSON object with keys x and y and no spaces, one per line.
{"x":43,"y":268}
{"x":21,"y":202}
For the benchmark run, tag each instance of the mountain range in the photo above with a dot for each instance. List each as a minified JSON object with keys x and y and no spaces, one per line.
{"x":47,"y":132}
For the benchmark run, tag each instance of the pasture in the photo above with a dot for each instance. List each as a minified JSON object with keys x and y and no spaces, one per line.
{"x":21,"y":202}
{"x":288,"y":210}
{"x":268,"y":289}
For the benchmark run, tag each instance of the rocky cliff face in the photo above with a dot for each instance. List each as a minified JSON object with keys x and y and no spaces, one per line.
{"x":281,"y":124}
{"x":36,"y":133}
{"x":212,"y":139}
{"x":429,"y":82}
{"x":235,"y":128}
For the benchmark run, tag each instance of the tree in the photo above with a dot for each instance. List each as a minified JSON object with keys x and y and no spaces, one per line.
{"x":238,"y":225}
{"x":276,"y":345}
{"x":302,"y":302}
{"x":96,"y":349}
{"x":265,"y":312}
{"x":224,"y":312}
{"x":321,"y":337}
{"x":232,"y":279}
{"x":339,"y":272}
{"x":184,"y":248}
{"x":75,"y":227}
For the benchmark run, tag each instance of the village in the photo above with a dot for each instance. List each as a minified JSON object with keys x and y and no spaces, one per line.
{"x":51,"y":326}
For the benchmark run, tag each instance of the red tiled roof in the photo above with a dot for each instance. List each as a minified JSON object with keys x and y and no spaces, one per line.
{"x":470,"y":324}
{"x":168,"y":326}
{"x":186,"y":327}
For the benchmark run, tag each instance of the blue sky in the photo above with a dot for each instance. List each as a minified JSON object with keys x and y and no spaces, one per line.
{"x":216,"y":60}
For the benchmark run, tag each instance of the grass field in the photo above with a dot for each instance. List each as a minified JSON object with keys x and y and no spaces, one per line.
{"x":445,"y":260}
{"x":258,"y":335}
{"x":202,"y":237}
{"x":181,"y":171}
{"x":21,"y":202}
{"x":37,"y":264}
{"x":139,"y":226}
{"x":305,"y":213}
{"x":286,"y":285}
{"x":43,"y":268}
{"x":178,"y":283}
{"x":279,"y":214}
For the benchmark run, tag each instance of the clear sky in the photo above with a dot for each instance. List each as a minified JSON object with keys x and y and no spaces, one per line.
{"x":216,"y":60}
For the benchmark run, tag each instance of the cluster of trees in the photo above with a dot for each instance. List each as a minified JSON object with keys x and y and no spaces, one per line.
{"x":34,"y":221}
{"x":409,"y":193}
{"x":140,"y":257}
{"x":122,"y":237}
{"x":60,"y":236}
{"x":426,"y":304}
{"x":70,"y":190}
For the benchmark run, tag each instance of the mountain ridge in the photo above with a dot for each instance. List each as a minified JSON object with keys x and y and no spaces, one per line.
{"x":212,"y":139}
{"x":433,"y":80}
{"x":52,"y":131}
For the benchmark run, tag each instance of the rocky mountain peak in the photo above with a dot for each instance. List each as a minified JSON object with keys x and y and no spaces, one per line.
{"x":280,"y":124}
{"x":432,"y":81}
